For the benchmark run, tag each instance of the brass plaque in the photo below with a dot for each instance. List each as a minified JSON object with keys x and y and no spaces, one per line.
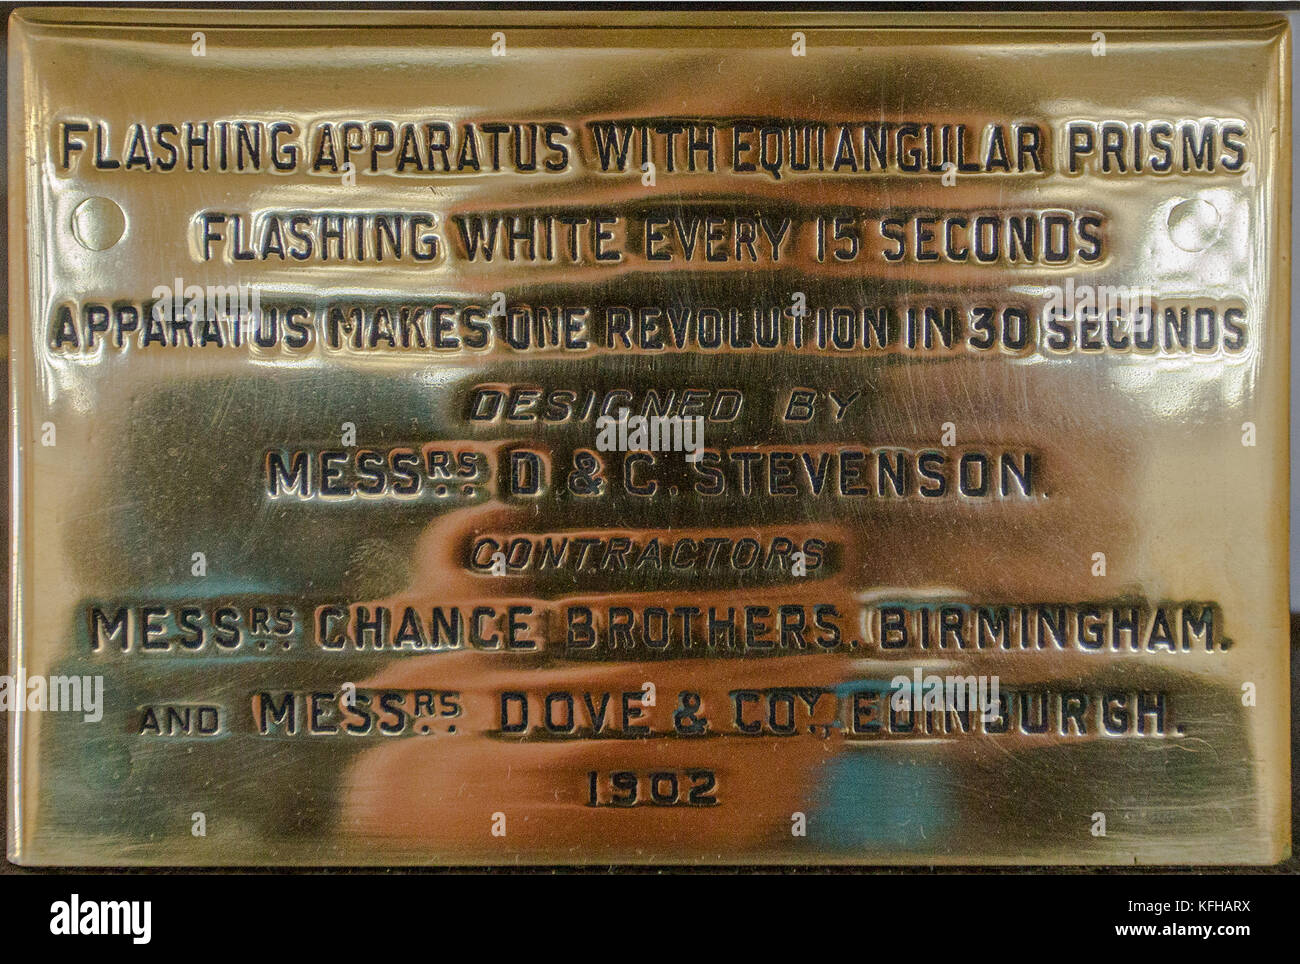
{"x":532,"y":437}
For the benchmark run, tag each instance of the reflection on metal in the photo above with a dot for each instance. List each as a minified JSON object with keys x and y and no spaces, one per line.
{"x":983,"y":323}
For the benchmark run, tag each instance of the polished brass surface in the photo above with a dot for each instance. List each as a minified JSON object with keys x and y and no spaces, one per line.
{"x":265,"y":391}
